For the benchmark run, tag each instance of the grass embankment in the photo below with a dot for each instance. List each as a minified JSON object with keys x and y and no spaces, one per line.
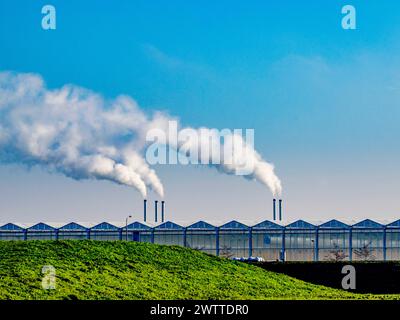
{"x":129,"y":270}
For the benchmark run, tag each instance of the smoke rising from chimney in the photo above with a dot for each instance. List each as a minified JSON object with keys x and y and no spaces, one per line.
{"x":79,"y":133}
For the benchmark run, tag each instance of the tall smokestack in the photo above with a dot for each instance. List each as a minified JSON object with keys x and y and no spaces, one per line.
{"x":144,"y":209}
{"x":274,"y":208}
{"x":280,"y":209}
{"x":162,"y":210}
{"x":155,"y":210}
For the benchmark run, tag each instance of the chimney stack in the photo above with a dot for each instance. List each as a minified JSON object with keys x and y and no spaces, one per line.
{"x":155,"y":210}
{"x":274,"y":208}
{"x":144,"y":209}
{"x":162,"y":210}
{"x":280,"y":209}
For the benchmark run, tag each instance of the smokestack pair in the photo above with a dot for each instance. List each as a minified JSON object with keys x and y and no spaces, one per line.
{"x":155,"y":210}
{"x":274,"y":209}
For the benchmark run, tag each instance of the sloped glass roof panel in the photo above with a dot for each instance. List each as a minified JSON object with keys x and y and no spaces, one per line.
{"x":201,"y":225}
{"x":368,"y":223}
{"x":104,"y":226}
{"x":334,"y":224}
{"x":11,"y":227}
{"x":41,"y":227}
{"x":137,"y":226}
{"x":300,"y":224}
{"x":169,"y":225}
{"x":234,"y":225}
{"x":267,"y":225}
{"x":73,"y":226}
{"x":394,"y":224}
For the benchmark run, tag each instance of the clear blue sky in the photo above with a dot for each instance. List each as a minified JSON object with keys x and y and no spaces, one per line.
{"x":324,"y":102}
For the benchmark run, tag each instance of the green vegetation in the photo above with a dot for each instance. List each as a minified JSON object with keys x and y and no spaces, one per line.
{"x":129,"y":270}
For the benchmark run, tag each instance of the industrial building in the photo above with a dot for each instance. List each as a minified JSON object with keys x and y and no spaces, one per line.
{"x":297,"y":241}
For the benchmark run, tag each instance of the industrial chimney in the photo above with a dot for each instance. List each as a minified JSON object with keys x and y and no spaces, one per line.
{"x":162,"y":210}
{"x":155,"y":210}
{"x":274,"y":209}
{"x":144,"y":209}
{"x":280,"y":209}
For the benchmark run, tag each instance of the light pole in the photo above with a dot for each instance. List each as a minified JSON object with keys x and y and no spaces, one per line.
{"x":313,"y":249}
{"x":126,"y":226}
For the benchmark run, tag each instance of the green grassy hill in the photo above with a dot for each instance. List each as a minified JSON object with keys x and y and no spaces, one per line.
{"x":128,"y":270}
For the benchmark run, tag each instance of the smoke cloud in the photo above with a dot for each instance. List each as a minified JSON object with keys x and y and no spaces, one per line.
{"x":77,"y":132}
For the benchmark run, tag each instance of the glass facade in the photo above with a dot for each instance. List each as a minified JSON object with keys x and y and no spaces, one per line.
{"x":72,"y":231}
{"x":41,"y":235}
{"x":298,"y":241}
{"x":203,"y":240}
{"x":169,"y":233}
{"x":300,"y":245}
{"x":169,"y":237}
{"x":106,"y":235}
{"x":143,"y":236}
{"x":106,"y":232}
{"x":11,"y":235}
{"x":233,"y":243}
{"x":267,"y":243}
{"x":392,"y":244}
{"x":367,"y":244}
{"x":41,"y":231}
{"x":333,"y":244}
{"x":137,"y":231}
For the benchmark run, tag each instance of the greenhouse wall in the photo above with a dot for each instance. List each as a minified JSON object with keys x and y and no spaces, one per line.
{"x":299,"y":241}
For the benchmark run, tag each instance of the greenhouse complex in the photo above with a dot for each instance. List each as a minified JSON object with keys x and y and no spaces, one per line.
{"x":297,"y":241}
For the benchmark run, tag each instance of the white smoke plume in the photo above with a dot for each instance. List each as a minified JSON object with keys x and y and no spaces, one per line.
{"x":234,"y":155}
{"x":79,"y":133}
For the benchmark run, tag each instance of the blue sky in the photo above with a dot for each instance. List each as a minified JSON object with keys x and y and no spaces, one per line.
{"x":323,"y":101}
